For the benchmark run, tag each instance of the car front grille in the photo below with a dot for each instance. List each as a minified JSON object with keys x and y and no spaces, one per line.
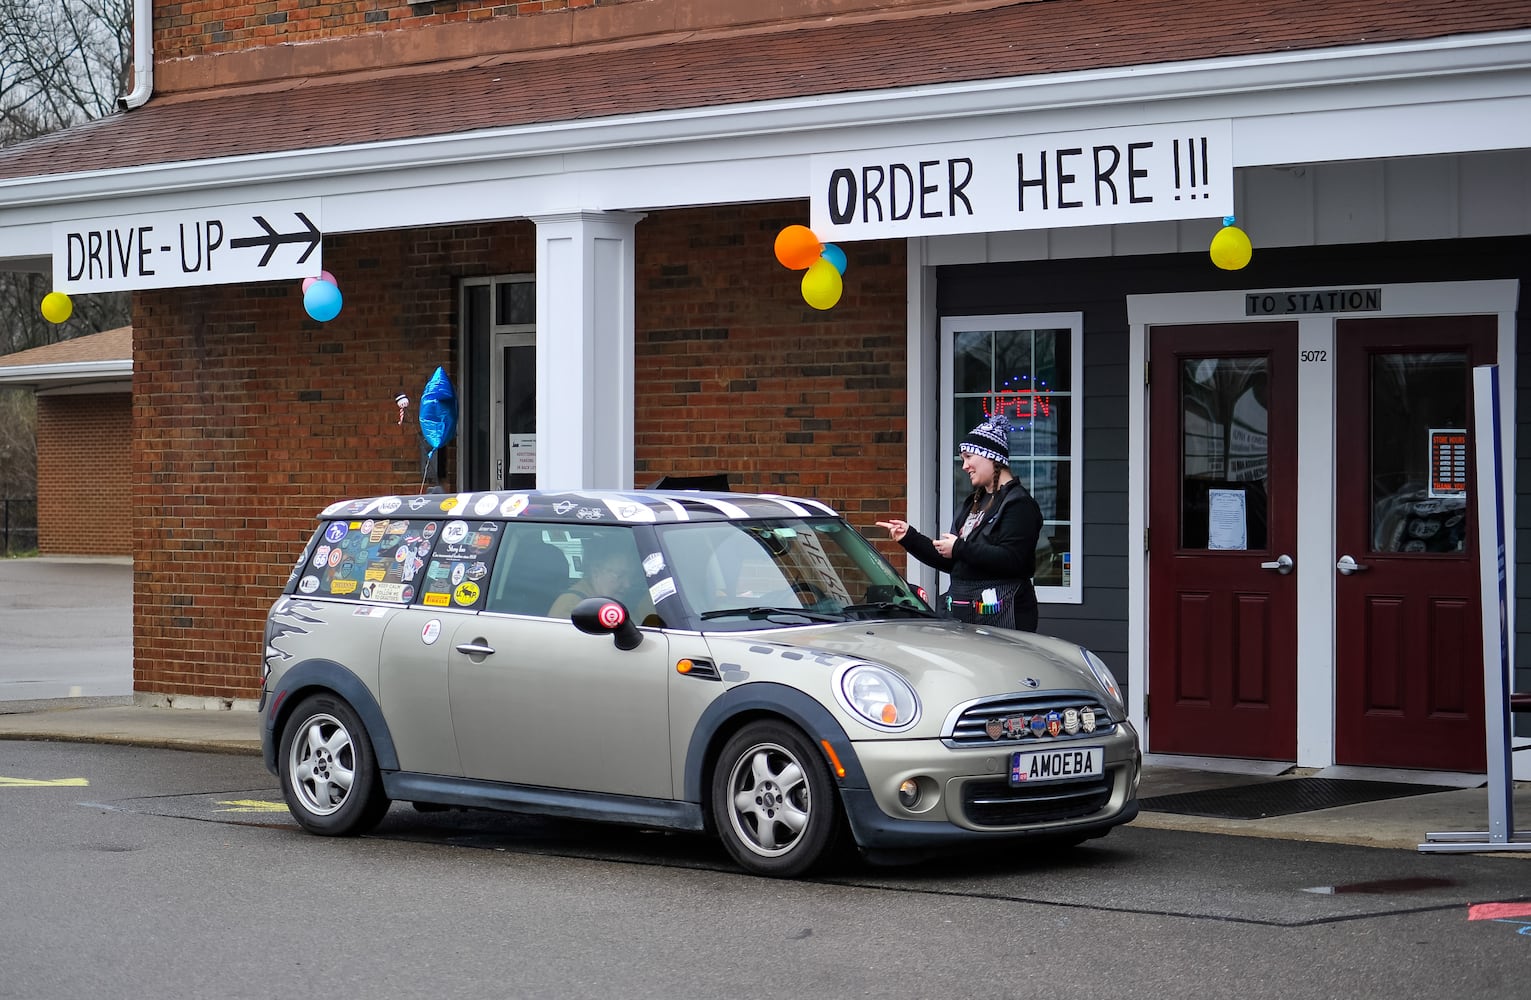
{"x":996,"y":803}
{"x":971,"y":726}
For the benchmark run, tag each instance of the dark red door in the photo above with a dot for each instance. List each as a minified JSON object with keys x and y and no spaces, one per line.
{"x":1222,"y":643}
{"x":1408,"y":632}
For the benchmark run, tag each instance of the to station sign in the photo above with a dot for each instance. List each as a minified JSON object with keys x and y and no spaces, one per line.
{"x":210,"y":246}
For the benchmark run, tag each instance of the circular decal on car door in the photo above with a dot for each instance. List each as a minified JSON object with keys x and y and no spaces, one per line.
{"x":431,"y":632}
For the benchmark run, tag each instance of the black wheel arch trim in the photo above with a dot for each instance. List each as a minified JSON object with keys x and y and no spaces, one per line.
{"x":309,"y":677}
{"x":768,"y":698}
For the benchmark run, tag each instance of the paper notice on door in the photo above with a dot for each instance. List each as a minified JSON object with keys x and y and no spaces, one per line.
{"x":1227,"y":526}
{"x":523,"y":454}
{"x":1448,"y":462}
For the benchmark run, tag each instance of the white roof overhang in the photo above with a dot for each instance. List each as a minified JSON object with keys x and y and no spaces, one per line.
{"x":1441,"y":96}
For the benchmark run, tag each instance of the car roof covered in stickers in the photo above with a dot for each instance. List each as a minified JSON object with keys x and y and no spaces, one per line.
{"x":585,"y":506}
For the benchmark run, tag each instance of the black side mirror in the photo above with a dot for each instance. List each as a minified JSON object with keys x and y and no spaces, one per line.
{"x":606,"y":616}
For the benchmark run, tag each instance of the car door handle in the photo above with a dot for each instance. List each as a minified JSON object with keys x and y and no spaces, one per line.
{"x":1282,"y":564}
{"x":476,"y":648}
{"x":1347,"y":566}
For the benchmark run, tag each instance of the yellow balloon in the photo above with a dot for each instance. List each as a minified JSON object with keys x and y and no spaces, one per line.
{"x":1230,"y":248}
{"x":822,"y":284}
{"x":57,"y":307}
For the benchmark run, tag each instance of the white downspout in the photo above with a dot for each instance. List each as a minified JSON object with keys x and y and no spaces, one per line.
{"x":143,"y":56}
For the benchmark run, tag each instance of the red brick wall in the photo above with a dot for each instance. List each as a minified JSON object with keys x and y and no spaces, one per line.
{"x":250,"y":417}
{"x":208,"y":26}
{"x":83,"y":474}
{"x":737,"y":374}
{"x":252,"y":40}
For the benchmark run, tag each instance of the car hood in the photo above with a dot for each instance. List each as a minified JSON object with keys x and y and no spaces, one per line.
{"x":948,"y":663}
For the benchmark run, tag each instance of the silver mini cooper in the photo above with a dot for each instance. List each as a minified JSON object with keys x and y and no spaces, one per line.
{"x":748,"y":665}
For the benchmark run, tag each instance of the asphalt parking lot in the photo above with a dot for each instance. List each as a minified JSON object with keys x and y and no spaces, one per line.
{"x":66,"y":628}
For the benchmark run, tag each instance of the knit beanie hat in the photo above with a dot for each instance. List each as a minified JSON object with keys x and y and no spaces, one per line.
{"x":990,"y":439}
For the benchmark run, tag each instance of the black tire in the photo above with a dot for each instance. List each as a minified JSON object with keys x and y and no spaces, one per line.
{"x":329,"y":772}
{"x":774,"y":803}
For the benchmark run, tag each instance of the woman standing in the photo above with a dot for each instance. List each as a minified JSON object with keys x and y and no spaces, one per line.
{"x":991,"y":550}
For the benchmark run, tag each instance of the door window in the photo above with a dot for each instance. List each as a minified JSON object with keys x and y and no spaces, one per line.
{"x":1419,"y":452}
{"x":1224,"y":453}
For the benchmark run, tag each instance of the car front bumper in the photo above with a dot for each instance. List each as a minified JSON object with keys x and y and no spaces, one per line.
{"x":966,"y":796}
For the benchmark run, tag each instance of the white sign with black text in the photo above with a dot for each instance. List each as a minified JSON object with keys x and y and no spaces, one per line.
{"x":207,"y":246}
{"x":1102,"y":177}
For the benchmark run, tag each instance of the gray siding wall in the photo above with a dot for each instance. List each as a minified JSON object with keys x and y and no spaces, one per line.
{"x":1099,"y":288}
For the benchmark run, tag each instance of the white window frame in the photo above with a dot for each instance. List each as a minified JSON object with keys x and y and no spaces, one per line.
{"x":1074,"y":323}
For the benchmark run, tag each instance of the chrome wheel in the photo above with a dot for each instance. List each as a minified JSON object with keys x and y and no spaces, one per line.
{"x":773,"y":801}
{"x":329,"y":771}
{"x":322,"y":763}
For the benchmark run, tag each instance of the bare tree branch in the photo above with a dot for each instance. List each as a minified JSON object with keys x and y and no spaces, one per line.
{"x":62,"y":62}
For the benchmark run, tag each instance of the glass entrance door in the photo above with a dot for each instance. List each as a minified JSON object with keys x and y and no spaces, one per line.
{"x":498,"y":424}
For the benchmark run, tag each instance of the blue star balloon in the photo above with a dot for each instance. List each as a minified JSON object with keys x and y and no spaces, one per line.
{"x":438,"y":410}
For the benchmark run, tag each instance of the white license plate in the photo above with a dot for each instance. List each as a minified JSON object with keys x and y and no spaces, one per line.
{"x":1056,"y":764}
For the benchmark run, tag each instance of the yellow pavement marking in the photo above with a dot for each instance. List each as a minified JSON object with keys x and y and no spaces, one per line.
{"x":43,"y":782}
{"x":252,"y":806}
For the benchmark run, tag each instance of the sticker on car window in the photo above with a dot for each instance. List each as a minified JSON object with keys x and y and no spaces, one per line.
{"x":653,"y":564}
{"x":466,"y":593}
{"x":662,"y":589}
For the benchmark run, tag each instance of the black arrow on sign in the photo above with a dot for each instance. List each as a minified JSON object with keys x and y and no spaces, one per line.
{"x":274,"y":239}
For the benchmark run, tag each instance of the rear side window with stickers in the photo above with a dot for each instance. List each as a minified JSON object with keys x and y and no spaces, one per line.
{"x":459,"y":569}
{"x":377,"y":560}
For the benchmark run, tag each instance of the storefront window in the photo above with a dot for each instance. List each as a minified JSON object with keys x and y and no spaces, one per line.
{"x":1026,"y":367}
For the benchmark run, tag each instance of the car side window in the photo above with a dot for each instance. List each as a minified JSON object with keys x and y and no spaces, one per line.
{"x":366,"y":560}
{"x":459,"y":564}
{"x":609,"y":566}
{"x":531,"y":570}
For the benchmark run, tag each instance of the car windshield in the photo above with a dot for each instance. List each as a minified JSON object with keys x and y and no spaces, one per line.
{"x":735,"y":575}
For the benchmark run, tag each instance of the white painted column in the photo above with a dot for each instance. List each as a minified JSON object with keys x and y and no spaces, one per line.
{"x":1315,"y":552}
{"x":585,"y":325}
{"x":922,"y":407}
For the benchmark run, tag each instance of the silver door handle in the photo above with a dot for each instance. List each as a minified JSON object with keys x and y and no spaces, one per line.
{"x":1282,"y":565}
{"x":479,"y":648}
{"x":1347,"y":566}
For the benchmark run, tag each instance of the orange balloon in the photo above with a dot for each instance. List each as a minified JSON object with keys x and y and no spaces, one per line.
{"x":797,"y":247}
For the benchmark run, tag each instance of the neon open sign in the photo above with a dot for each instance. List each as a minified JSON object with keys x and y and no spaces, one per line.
{"x":1019,"y":404}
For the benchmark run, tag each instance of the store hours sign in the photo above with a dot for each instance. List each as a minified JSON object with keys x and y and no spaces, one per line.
{"x":207,"y":246}
{"x":1101,"y":177}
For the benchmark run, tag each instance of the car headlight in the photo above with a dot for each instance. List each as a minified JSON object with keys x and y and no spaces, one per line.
{"x":879,"y":696}
{"x":1106,"y":678}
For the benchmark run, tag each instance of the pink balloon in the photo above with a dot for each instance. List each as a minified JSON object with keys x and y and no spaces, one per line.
{"x":323,"y":276}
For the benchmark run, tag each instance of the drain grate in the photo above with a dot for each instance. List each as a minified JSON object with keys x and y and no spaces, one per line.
{"x":1283,"y":798}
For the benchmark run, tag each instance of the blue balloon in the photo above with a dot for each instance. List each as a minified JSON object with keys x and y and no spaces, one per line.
{"x":438,"y":410}
{"x":322,"y":301}
{"x":835,"y":256}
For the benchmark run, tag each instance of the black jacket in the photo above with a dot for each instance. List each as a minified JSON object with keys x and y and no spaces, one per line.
{"x":1001,"y":549}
